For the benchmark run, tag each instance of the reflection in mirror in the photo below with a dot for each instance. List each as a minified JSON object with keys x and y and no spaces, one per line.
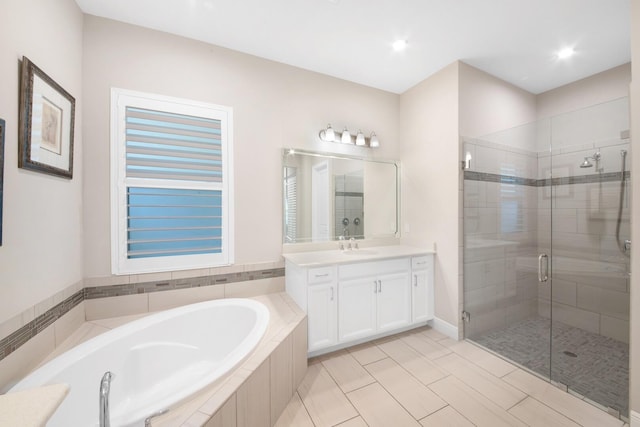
{"x":327,"y":197}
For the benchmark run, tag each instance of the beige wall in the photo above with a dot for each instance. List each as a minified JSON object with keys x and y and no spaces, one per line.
{"x":634,"y":403}
{"x":41,"y":251}
{"x":601,"y":87}
{"x":275,"y":106}
{"x":429,"y":153}
{"x":488,"y":104}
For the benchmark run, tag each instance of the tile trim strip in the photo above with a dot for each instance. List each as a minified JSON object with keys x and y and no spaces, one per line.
{"x":568,"y":180}
{"x":16,"y":339}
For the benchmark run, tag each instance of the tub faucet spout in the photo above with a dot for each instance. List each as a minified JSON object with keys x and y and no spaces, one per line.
{"x":105,"y":386}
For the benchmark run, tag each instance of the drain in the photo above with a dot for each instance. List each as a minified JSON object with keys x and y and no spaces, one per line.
{"x":569,"y":353}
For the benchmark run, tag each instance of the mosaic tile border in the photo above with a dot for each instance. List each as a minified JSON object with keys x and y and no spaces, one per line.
{"x":568,"y":180}
{"x":16,"y":339}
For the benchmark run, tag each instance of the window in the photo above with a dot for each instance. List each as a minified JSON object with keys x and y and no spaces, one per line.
{"x":171,"y":185}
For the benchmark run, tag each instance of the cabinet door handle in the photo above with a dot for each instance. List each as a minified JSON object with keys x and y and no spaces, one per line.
{"x":379,"y":285}
{"x":322,"y":275}
{"x":375,"y":286}
{"x":331,"y":293}
{"x":415,"y":280}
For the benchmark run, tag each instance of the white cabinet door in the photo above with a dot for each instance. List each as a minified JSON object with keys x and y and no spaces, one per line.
{"x":394,"y":301}
{"x":357,"y":308}
{"x":422,"y":289}
{"x":420,"y":299}
{"x":322,"y":315}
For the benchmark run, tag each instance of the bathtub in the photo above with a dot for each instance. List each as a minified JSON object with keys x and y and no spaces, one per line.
{"x":157,"y":361}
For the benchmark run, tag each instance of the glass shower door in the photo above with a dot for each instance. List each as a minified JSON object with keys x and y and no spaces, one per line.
{"x":589,"y":298}
{"x":507,"y":226}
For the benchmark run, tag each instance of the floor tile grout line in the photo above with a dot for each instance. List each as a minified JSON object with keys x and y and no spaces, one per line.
{"x":443,"y":408}
{"x":422,"y":357}
{"x":555,"y":410}
{"x":519,"y":402}
{"x":305,"y":409}
{"x":338,"y":385}
{"x":400,"y":403}
{"x":459,"y":378}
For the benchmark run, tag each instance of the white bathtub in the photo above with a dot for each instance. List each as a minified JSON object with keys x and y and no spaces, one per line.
{"x":157,"y":361}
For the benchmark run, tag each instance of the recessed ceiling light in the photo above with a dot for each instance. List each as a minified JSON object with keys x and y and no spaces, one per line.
{"x":399,"y":45}
{"x":566,"y":52}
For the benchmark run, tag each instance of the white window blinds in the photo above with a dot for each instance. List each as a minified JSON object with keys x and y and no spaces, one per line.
{"x":172,"y":163}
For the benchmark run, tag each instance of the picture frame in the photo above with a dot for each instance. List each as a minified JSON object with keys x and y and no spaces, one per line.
{"x":46,"y":120}
{"x":2,"y":132}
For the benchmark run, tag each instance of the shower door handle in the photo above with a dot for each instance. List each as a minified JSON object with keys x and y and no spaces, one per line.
{"x":543,"y":278}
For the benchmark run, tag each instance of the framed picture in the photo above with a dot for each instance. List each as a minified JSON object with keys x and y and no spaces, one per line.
{"x":2,"y":128}
{"x":47,"y":116}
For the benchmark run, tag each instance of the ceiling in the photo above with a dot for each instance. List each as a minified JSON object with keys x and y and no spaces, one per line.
{"x":515,"y":40}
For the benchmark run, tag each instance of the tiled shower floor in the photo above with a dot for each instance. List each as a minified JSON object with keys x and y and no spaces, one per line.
{"x":600,"y":372}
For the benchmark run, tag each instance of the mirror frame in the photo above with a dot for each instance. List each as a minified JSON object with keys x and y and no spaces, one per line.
{"x":339,"y":156}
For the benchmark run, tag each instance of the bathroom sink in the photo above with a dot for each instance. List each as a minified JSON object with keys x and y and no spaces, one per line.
{"x":359,"y":252}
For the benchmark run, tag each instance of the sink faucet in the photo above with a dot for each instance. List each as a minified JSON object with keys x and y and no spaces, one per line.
{"x":352,"y":244}
{"x":105,"y":386}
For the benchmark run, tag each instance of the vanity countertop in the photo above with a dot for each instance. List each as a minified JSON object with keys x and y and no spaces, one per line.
{"x":336,"y":256}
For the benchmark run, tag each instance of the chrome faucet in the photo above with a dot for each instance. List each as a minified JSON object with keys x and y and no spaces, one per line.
{"x":352,"y":244}
{"x":105,"y":386}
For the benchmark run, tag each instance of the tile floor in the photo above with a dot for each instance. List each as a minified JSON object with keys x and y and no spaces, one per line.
{"x":422,"y":378}
{"x":597,"y":367}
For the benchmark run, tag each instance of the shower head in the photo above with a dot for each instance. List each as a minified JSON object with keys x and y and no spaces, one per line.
{"x":586,"y":163}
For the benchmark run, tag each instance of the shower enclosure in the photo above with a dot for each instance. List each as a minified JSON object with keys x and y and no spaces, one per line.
{"x":546,"y":249}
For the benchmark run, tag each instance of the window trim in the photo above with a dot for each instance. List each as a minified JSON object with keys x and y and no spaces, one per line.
{"x":120,"y":264}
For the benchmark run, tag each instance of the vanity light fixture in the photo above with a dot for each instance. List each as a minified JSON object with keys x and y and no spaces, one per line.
{"x":344,"y":137}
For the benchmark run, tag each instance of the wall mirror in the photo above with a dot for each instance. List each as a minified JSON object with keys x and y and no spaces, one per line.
{"x":328,"y":196}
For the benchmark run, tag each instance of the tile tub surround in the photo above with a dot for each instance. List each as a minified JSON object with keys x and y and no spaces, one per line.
{"x":257,"y":391}
{"x":135,"y":296}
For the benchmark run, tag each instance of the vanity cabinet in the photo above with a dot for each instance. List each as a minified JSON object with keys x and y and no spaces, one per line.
{"x":353,"y":301}
{"x":373,"y":297}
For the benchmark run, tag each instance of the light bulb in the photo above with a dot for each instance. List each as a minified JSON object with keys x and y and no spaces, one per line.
{"x":360,"y":138}
{"x":329,"y":134}
{"x":373,"y":141}
{"x":346,"y":136}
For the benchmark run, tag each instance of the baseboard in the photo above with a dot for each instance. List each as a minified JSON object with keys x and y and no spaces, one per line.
{"x":445,"y":328}
{"x":634,"y":419}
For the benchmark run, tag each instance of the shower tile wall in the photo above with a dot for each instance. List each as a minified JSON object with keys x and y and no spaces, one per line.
{"x":500,"y":230}
{"x":591,"y":281}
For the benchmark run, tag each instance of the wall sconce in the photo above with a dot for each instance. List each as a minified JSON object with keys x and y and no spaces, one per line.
{"x":329,"y":135}
{"x":466,"y":163}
